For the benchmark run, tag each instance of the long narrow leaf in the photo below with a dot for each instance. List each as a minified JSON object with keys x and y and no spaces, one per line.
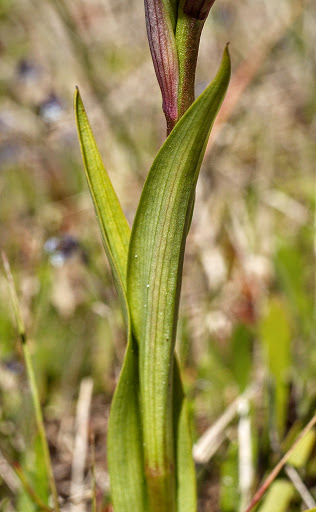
{"x":125,"y":456}
{"x":154,"y":275}
{"x":124,"y":436}
{"x":124,"y":442}
{"x":112,"y":221}
{"x":185,"y":468}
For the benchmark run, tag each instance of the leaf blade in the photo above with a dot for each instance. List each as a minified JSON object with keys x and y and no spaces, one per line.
{"x":124,"y":439}
{"x":125,"y":405}
{"x":185,"y":468}
{"x":155,"y":264}
{"x":114,"y":227}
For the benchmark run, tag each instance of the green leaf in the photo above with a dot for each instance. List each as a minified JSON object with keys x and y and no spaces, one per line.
{"x":124,"y":441}
{"x":229,"y":492}
{"x":294,"y":274}
{"x":278,"y":497}
{"x":125,"y":456}
{"x":241,"y":355}
{"x":112,"y":221}
{"x":276,"y":337}
{"x":303,"y":450}
{"x":185,"y":468}
{"x":154,"y":277}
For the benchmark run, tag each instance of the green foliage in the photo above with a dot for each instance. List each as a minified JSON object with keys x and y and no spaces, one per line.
{"x":155,"y":264}
{"x":278,"y":497}
{"x":241,"y":350}
{"x":294,"y":274}
{"x":257,"y":198}
{"x":113,"y":224}
{"x":229,"y":495}
{"x":303,"y":450}
{"x":276,"y":338}
{"x":125,"y":457}
{"x":149,"y":399}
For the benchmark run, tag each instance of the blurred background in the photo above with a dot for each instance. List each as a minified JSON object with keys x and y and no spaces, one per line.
{"x":248,"y":308}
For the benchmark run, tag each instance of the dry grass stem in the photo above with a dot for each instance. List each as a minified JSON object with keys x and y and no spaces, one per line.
{"x":207,"y":445}
{"x":81,"y":444}
{"x":8,"y":476}
{"x":299,"y":485}
{"x":274,"y":473}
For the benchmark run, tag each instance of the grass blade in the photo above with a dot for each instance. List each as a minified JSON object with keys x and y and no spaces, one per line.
{"x":276,"y":339}
{"x":30,"y":491}
{"x":32,"y":382}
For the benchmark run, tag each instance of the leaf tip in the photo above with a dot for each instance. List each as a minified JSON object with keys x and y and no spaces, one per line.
{"x":76,"y":98}
{"x":226,"y":58}
{"x":78,"y":103}
{"x":226,"y":51}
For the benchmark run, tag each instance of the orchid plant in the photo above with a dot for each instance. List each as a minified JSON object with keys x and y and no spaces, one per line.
{"x":149,"y":443}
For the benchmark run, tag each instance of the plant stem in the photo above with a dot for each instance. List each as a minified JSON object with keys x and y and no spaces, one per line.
{"x":188,"y":34}
{"x":93,"y":476}
{"x":158,"y":428}
{"x":36,"y":499}
{"x":160,"y":492}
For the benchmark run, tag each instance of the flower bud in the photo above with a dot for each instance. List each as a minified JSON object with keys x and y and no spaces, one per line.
{"x":198,"y":9}
{"x":164,"y":55}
